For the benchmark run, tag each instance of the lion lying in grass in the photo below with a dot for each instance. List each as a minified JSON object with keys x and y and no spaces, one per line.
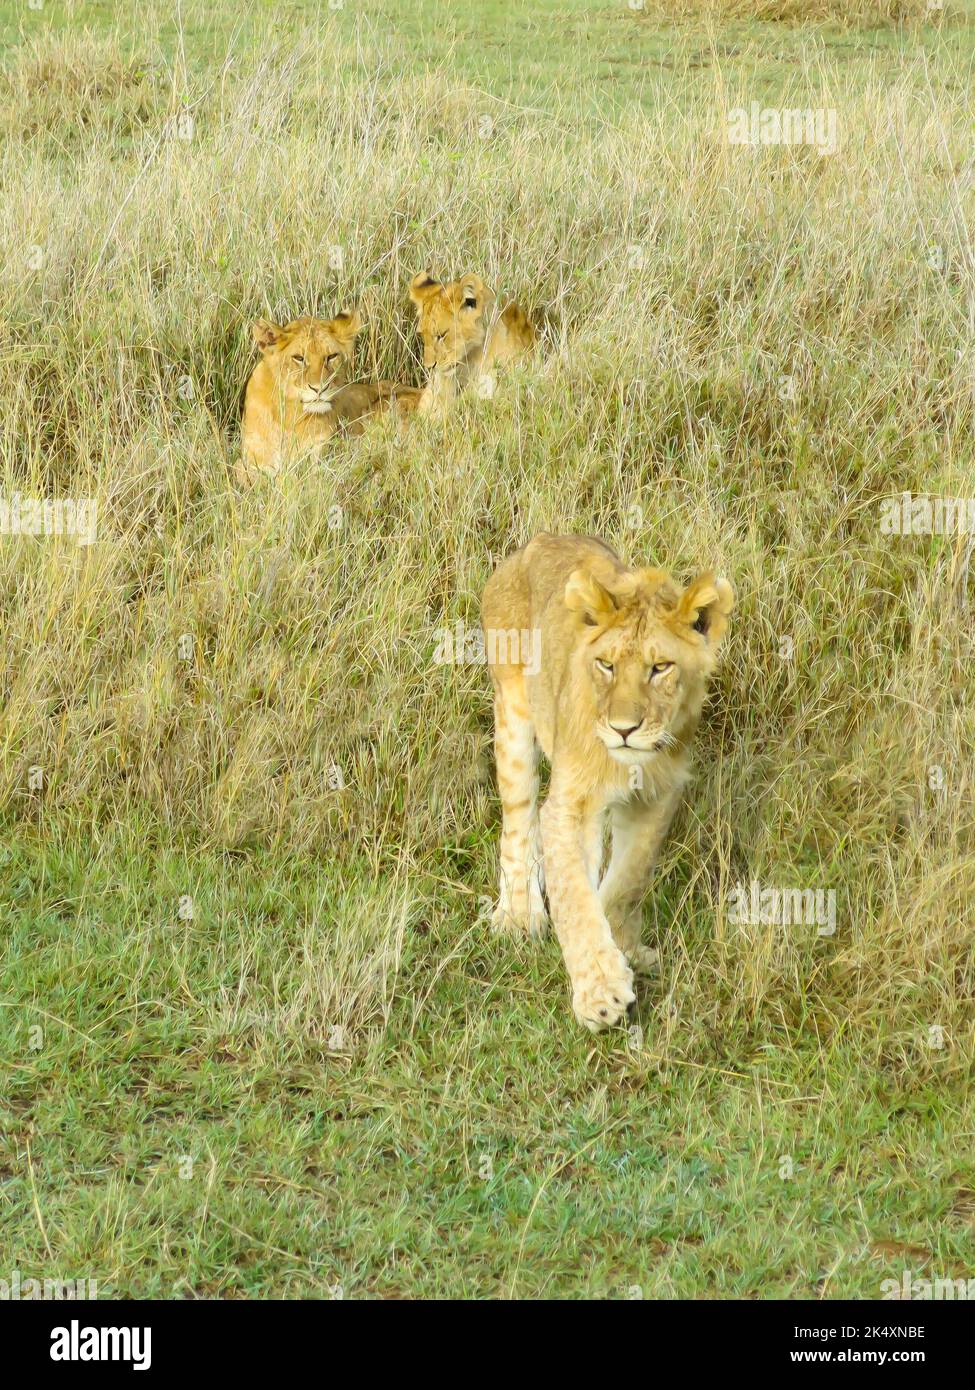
{"x":605,"y":669}
{"x":299,"y":395}
{"x":463,"y":336}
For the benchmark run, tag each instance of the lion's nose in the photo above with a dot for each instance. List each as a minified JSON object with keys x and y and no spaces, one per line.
{"x":624,"y":730}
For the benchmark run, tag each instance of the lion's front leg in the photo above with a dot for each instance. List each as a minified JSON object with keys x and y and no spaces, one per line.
{"x":638,"y":831}
{"x":602,"y":981}
{"x":592,"y":848}
{"x":521,"y":896}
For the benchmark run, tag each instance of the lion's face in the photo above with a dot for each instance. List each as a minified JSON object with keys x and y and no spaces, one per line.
{"x":644,"y":655}
{"x":452,"y":319}
{"x":309,"y":357}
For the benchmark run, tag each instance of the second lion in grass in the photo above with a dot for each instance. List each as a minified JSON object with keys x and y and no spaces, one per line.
{"x":464,"y":335}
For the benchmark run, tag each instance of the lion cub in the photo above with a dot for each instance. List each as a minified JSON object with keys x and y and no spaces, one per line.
{"x":463,"y":335}
{"x":298,"y":397}
{"x":605,"y":669}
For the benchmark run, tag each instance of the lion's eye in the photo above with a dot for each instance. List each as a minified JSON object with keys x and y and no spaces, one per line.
{"x":605,"y":666}
{"x":661,"y":667}
{"x":332,"y":357}
{"x":297,"y":357}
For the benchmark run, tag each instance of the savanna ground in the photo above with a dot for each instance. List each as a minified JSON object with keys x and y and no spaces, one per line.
{"x":257,"y":1038}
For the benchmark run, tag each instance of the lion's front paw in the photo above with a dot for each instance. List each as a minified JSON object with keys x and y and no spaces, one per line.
{"x":603,"y":990}
{"x":531,"y":922}
{"x":643,"y":959}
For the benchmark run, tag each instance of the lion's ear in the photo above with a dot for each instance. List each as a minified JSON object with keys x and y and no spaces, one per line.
{"x":474,"y":294}
{"x":346,"y":325}
{"x":704,"y":606}
{"x":591,"y":600}
{"x":266,"y":334}
{"x":422,"y":286}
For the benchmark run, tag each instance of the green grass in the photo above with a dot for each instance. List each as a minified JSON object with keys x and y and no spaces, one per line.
{"x":473,"y":1145}
{"x":373,"y":1091}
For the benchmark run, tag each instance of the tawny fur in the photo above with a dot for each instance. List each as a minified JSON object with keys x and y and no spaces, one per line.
{"x":608,"y":682}
{"x":299,"y":396}
{"x":464,"y":337}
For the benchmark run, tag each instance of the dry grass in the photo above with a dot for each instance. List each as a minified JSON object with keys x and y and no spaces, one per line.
{"x":855,"y":13}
